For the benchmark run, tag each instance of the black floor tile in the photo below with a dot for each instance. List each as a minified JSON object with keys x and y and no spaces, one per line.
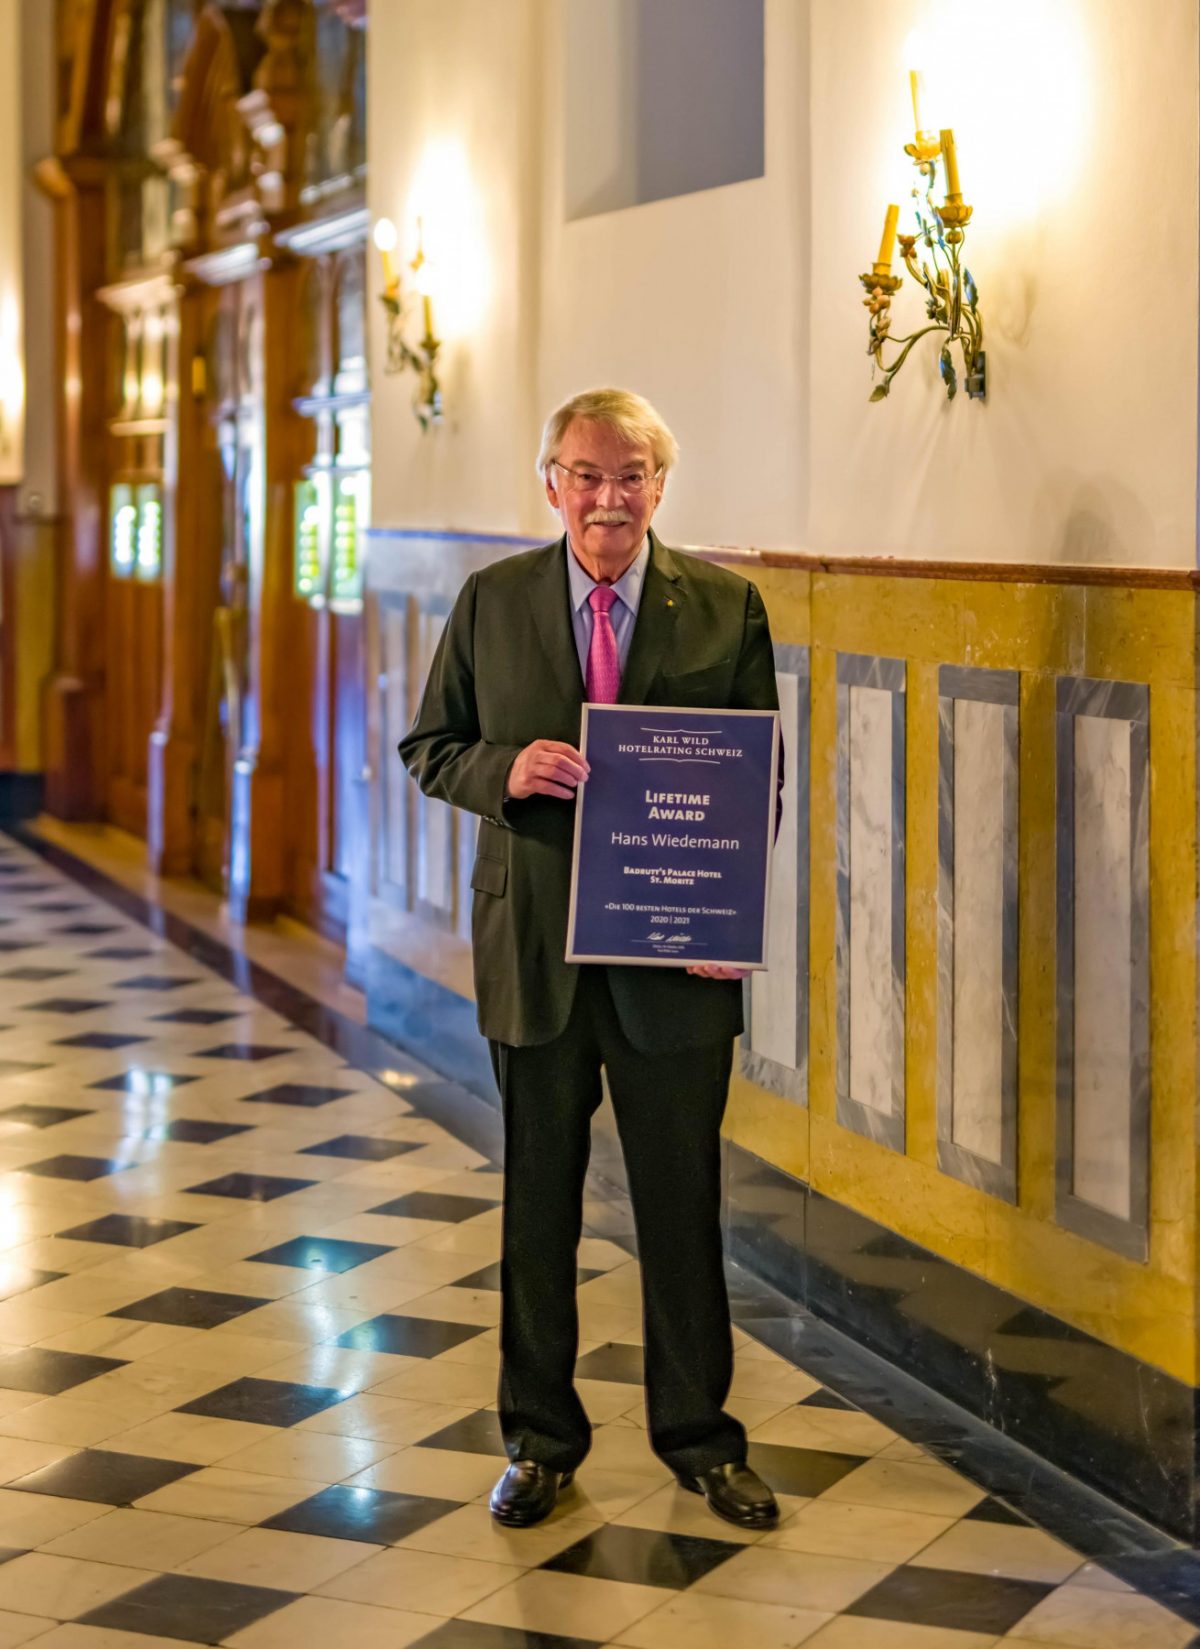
{"x":155,"y":982}
{"x":1032,"y":1324}
{"x":32,"y":1368}
{"x":824,"y":1399}
{"x":100,"y":1039}
{"x":19,"y":1279}
{"x":184,"y":1606}
{"x":302,"y":1094}
{"x":42,"y":1116}
{"x":195,"y":1016}
{"x":361,"y":1148}
{"x":264,"y":1402}
{"x":613,"y":1362}
{"x":20,"y":1067}
{"x":9,"y":947}
{"x":994,"y":1511}
{"x":73,"y":1167}
{"x":474,"y":1634}
{"x":347,"y":1513}
{"x":250,"y":1187}
{"x":408,"y":1336}
{"x":37,"y":976}
{"x":65,"y":1004}
{"x":149,"y":1084}
{"x":801,"y":1471}
{"x":478,"y":1433}
{"x":84,"y":929}
{"x":103,"y":1475}
{"x":953,"y":1601}
{"x":119,"y":953}
{"x":488,"y":1276}
{"x":643,"y":1557}
{"x":189,"y":1308}
{"x":193,"y":1131}
{"x":432,"y":1205}
{"x":58,"y":907}
{"x":242,"y":1050}
{"x":128,"y":1230}
{"x":322,"y":1254}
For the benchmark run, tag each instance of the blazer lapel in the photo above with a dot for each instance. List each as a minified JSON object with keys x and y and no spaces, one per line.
{"x":658,"y":610}
{"x":550,"y":603}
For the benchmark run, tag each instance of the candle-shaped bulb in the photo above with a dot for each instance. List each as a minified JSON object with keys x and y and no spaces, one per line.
{"x":385,"y":238}
{"x":916,"y":81}
{"x":888,"y":244}
{"x":423,"y":280}
{"x":950,"y":156}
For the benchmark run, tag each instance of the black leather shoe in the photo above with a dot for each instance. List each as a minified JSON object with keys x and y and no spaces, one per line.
{"x":737,"y":1494}
{"x":526,"y":1493}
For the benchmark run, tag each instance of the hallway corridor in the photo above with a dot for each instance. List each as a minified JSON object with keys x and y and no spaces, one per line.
{"x":248,"y":1355}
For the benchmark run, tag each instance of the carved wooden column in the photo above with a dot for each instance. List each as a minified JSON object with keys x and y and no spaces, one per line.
{"x":74,"y":705}
{"x":187,"y":592}
{"x":257,"y":878}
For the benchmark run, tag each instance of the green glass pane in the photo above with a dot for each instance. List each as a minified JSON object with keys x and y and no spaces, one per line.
{"x":122,"y":549}
{"x":307,"y":582}
{"x":349,"y":508}
{"x":148,"y":564}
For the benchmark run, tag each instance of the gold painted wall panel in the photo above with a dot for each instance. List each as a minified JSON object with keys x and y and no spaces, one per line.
{"x":1043,"y":631}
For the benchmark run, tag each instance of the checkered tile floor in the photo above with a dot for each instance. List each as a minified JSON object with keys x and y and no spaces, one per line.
{"x":248,"y":1349}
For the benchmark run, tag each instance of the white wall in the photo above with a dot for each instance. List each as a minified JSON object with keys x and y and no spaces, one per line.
{"x":738,"y":310}
{"x":1077,"y":139}
{"x":453,"y":112}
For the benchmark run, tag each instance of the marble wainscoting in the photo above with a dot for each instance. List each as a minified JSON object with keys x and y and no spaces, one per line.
{"x":774,"y":1051}
{"x":960,"y":1129}
{"x":978,"y":794}
{"x":871,"y":896}
{"x":1103,"y":953}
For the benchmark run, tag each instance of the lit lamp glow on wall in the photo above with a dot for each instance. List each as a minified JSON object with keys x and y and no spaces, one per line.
{"x":421,"y":356}
{"x":12,"y":389}
{"x":951,"y":297}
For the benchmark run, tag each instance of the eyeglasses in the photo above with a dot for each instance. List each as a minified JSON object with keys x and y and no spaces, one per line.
{"x":632,"y":483}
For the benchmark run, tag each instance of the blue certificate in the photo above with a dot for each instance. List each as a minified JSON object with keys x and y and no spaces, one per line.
{"x":673,"y":835}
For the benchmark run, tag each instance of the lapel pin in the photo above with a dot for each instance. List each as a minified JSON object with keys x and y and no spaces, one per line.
{"x":670,"y":603}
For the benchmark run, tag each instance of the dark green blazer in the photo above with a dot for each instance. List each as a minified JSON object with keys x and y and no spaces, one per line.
{"x":506,"y":672}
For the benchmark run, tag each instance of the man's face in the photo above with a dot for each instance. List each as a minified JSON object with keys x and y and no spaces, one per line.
{"x":605,"y":521}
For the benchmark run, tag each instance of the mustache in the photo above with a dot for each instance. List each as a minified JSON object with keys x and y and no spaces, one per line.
{"x":607,"y":518}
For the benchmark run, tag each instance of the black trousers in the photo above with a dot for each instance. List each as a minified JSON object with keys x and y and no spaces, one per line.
{"x":668,"y":1110}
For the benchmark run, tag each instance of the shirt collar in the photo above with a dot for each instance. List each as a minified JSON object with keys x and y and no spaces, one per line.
{"x":628,"y":587}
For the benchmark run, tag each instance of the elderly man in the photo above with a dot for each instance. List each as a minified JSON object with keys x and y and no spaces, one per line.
{"x":609,"y":614}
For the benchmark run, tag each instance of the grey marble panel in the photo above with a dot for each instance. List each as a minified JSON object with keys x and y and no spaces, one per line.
{"x":856,"y":1110}
{"x":991,"y":1169}
{"x":435,"y":878}
{"x":394,"y":716}
{"x":1128,"y":703}
{"x":774,"y":1050}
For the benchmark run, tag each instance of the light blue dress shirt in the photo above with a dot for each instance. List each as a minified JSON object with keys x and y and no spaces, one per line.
{"x":628,"y":590}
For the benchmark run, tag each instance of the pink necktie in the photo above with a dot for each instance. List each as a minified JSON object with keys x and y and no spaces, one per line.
{"x":603,"y":679}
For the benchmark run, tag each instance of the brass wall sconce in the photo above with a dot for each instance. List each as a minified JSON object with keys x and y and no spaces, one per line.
{"x":402,"y":356}
{"x":951,"y":296}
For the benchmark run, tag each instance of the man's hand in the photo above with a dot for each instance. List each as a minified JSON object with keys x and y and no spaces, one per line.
{"x":546,"y":768}
{"x":710,"y":970}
